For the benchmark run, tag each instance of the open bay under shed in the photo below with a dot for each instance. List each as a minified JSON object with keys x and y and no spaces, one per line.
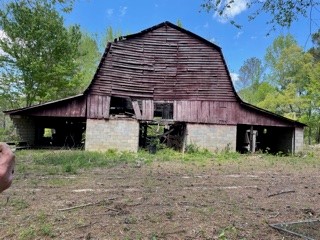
{"x":168,"y":78}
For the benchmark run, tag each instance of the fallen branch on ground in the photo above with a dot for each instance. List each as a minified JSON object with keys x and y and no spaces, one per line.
{"x":88,"y":204}
{"x":282,"y":192}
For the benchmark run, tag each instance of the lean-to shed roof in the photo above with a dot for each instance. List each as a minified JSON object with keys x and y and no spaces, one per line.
{"x":74,"y":106}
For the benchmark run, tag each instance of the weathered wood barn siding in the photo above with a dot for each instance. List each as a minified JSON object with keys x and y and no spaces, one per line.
{"x":98,"y":106}
{"x":219,"y":112}
{"x":164,"y":63}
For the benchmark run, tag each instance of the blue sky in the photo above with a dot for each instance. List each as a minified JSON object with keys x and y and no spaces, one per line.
{"x":131,"y":16}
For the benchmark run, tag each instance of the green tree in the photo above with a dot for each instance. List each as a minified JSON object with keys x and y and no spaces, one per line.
{"x":289,"y":71}
{"x":295,"y":75}
{"x":315,"y":50}
{"x":179,"y":23}
{"x":111,"y":35}
{"x":275,"y":59}
{"x":250,"y":81}
{"x":251,"y":72}
{"x":283,"y":13}
{"x":314,"y":89}
{"x":87,"y":61}
{"x":38,"y":62}
{"x":261,"y":91}
{"x":312,"y":117}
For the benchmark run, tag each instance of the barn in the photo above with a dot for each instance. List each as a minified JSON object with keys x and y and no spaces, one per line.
{"x":164,"y":79}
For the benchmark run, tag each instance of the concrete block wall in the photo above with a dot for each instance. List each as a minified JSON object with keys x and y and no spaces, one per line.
{"x":25,"y":128}
{"x":298,"y":140}
{"x":284,"y":140}
{"x":291,"y":140}
{"x":120,"y":134}
{"x":212,"y":137}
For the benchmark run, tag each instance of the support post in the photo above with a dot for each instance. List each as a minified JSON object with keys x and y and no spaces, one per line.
{"x":253,"y":140}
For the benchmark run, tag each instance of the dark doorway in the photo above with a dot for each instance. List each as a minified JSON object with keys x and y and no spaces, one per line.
{"x":269,"y":139}
{"x":162,"y":135}
{"x":60,"y":132}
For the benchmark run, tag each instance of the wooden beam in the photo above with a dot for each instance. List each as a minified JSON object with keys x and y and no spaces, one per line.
{"x":136,"y":109}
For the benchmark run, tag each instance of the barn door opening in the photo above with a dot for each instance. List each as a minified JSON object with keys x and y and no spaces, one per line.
{"x":268,"y":139}
{"x":156,"y":135}
{"x":60,"y":132}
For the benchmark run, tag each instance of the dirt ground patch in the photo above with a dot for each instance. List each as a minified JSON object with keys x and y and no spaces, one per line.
{"x":162,"y":200}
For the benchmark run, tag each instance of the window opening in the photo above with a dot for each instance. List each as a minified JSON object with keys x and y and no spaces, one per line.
{"x":163,"y":110}
{"x":121,"y":106}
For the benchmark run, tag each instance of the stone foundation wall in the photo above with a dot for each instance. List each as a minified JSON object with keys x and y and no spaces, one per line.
{"x":25,"y":128}
{"x":212,"y":137}
{"x":120,"y":134}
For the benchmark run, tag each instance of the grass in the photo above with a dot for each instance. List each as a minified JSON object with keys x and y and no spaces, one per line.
{"x":70,"y":162}
{"x":19,"y":204}
{"x":39,"y":228}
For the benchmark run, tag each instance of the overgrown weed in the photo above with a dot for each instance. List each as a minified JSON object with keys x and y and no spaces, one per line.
{"x":307,"y":157}
{"x":71,"y":161}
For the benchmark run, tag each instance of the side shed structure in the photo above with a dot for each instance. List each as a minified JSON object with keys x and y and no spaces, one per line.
{"x":164,"y":76}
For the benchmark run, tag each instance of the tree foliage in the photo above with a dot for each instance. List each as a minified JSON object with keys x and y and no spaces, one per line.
{"x":111,"y":35}
{"x":39,"y":53}
{"x":315,"y":50}
{"x":251,"y":72}
{"x":286,"y":62}
{"x":87,"y":61}
{"x":179,"y":23}
{"x":283,"y":13}
{"x":250,"y":81}
{"x":291,"y":87}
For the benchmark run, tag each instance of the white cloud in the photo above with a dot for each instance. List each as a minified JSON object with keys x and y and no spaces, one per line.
{"x":110,"y":12}
{"x":234,"y":77}
{"x":238,"y":35}
{"x":236,"y":7}
{"x":123,"y":11}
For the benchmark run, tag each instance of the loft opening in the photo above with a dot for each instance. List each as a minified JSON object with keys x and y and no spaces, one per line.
{"x":163,"y":110}
{"x":121,"y":106}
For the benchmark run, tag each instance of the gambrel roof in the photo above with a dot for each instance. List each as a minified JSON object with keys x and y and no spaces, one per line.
{"x":164,"y":62}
